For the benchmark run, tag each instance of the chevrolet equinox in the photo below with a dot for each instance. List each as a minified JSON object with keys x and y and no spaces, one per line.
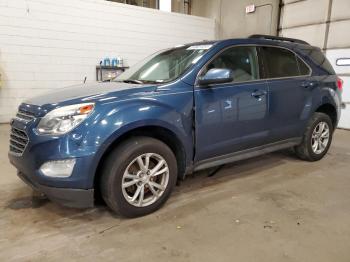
{"x":178,"y":111}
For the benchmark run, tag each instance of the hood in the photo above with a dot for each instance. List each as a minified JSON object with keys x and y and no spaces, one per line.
{"x":90,"y":93}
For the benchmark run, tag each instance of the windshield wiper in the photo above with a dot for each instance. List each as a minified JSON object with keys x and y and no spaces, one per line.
{"x":151,"y":82}
{"x":133,"y":81}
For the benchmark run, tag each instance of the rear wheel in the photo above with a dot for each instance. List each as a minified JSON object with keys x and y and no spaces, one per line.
{"x":317,"y":138}
{"x":138,"y":176}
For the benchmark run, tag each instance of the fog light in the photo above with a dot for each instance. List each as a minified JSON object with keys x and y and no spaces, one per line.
{"x":59,"y":168}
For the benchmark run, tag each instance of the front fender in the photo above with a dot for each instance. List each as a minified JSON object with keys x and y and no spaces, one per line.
{"x":117,"y":121}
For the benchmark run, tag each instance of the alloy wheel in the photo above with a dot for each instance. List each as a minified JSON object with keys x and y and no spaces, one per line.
{"x":320,"y":137}
{"x":145,"y":179}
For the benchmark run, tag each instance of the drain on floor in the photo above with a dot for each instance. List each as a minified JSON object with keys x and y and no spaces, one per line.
{"x":27,"y":202}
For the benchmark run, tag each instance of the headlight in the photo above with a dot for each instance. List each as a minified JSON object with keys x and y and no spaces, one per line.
{"x":62,"y":120}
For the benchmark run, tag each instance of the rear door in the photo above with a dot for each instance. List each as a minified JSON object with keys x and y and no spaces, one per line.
{"x":290,"y":87}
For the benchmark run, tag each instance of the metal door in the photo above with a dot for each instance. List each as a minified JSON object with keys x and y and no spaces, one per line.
{"x":340,"y":60}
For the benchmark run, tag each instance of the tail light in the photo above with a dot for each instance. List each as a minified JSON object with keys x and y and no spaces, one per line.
{"x":340,"y":83}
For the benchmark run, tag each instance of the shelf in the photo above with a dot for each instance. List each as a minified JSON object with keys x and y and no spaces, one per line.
{"x":104,"y":73}
{"x":112,"y":67}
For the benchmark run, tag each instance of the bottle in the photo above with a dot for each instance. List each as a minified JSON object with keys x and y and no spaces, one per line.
{"x":114,"y":62}
{"x":106,"y":62}
{"x":120,"y":62}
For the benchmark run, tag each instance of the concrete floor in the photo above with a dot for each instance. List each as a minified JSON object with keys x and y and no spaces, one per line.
{"x":270,"y":208}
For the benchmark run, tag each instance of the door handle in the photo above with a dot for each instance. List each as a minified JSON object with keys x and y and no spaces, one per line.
{"x":258,"y":94}
{"x":308,"y":84}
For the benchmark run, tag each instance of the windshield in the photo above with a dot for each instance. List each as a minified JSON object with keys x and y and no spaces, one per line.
{"x":164,"y":66}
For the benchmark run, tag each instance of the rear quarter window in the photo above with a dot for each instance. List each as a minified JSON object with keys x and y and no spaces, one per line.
{"x":321,"y":61}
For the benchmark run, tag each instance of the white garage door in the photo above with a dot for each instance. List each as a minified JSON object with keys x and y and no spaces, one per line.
{"x":326,"y":26}
{"x":340,"y":59}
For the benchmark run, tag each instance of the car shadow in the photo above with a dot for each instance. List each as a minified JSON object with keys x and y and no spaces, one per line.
{"x":236,"y":170}
{"x":191,"y":184}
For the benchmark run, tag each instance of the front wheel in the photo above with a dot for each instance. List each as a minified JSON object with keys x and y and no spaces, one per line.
{"x":317,"y":138}
{"x":138,"y":176}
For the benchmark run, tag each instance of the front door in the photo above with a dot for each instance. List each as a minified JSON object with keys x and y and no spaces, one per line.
{"x":231,"y":117}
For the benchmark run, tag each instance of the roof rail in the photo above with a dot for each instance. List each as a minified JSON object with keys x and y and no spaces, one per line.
{"x":279,"y":38}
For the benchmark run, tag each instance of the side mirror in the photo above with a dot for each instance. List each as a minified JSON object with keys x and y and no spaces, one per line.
{"x":216,"y":76}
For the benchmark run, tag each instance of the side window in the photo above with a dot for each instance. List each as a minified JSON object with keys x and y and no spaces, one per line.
{"x":279,"y":62}
{"x":303,"y":68}
{"x":241,"y":60}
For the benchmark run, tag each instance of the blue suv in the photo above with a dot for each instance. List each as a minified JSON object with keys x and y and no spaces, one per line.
{"x":180,"y":110}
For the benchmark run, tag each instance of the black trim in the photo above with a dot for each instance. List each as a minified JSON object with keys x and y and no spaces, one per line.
{"x":70,"y":197}
{"x":342,"y":58}
{"x":262,"y":66}
{"x":247,"y":153}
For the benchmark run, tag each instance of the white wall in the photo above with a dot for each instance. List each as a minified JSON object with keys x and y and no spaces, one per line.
{"x":232,"y":20}
{"x":46,"y":44}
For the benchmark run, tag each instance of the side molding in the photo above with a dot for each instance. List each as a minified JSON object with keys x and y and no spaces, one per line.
{"x":248,"y":153}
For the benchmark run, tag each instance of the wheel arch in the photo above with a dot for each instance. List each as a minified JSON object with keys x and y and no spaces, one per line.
{"x":161,"y":133}
{"x":329,"y":110}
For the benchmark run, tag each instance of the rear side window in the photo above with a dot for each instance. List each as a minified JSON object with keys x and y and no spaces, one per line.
{"x":242,"y":60}
{"x":321,"y":61}
{"x":280,"y":62}
{"x":303,"y":68}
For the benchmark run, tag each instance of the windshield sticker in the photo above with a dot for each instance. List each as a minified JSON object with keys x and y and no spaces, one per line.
{"x":199,"y":47}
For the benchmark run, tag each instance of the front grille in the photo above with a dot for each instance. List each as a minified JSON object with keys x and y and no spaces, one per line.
{"x":18,"y":141}
{"x":24,"y":116}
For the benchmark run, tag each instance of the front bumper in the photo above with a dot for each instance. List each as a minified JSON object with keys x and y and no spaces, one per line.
{"x":70,"y":197}
{"x":76,"y":190}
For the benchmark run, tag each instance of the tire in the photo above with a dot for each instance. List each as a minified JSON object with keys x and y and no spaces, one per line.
{"x":123,"y":177}
{"x":305,"y":150}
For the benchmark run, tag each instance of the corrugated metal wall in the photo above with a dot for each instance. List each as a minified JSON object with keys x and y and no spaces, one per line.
{"x":326,"y":24}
